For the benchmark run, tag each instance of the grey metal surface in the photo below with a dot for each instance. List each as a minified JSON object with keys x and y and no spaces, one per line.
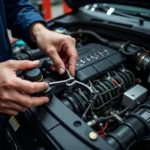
{"x":134,"y":96}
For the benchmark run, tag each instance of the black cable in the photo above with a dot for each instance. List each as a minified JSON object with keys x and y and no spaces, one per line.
{"x":126,"y":48}
{"x":123,"y":111}
{"x":103,"y":119}
{"x":85,"y":113}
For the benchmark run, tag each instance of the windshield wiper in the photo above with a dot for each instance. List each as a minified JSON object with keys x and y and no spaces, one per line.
{"x":143,"y":15}
{"x":138,"y":17}
{"x":141,"y":20}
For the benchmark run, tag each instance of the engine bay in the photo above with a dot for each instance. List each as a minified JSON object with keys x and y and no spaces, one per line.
{"x":107,"y":108}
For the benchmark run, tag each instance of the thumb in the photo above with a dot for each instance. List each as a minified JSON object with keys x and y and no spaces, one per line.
{"x":25,"y":64}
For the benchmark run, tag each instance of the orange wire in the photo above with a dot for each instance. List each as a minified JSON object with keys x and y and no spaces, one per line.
{"x":116,"y":83}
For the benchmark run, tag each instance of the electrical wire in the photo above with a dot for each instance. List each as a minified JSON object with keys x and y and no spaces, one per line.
{"x":104,"y":129}
{"x":86,"y":111}
{"x":123,"y":111}
{"x":102,"y":135}
{"x":103,"y":119}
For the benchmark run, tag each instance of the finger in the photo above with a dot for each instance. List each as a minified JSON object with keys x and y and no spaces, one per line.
{"x":38,"y":101}
{"x":29,"y":87}
{"x":52,"y":67}
{"x":21,"y":99}
{"x":59,"y":65}
{"x":64,"y":57}
{"x":72,"y":65}
{"x":23,"y":64}
{"x":66,"y":62}
{"x":9,"y":112}
{"x":74,"y":41}
{"x":13,"y":106}
{"x":28,"y":101}
{"x":71,"y":52}
{"x":72,"y":60}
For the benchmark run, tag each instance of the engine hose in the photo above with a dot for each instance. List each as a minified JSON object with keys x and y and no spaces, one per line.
{"x":87,"y":32}
{"x":126,"y":48}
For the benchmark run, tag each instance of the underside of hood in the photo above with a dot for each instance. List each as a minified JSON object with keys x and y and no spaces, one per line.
{"x":74,"y":4}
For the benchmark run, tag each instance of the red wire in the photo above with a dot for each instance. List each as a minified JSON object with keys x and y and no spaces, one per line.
{"x":103,"y":130}
{"x":102,"y":135}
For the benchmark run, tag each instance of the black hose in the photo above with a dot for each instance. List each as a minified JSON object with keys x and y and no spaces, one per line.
{"x":134,"y":128}
{"x":103,"y":119}
{"x":97,"y":36}
{"x":126,"y":48}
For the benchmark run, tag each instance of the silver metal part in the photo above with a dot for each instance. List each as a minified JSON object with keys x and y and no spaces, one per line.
{"x":133,"y":97}
{"x":63,"y":82}
{"x":80,"y":85}
{"x":93,"y":136}
{"x":71,"y":83}
{"x":91,"y":123}
{"x":116,"y":116}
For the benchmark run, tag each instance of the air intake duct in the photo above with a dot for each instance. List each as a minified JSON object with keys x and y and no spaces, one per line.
{"x":135,"y":127}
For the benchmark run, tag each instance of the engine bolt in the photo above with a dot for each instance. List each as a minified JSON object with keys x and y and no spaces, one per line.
{"x":93,"y":136}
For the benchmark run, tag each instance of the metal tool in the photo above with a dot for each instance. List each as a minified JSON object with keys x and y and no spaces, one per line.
{"x":63,"y":82}
{"x":71,"y":82}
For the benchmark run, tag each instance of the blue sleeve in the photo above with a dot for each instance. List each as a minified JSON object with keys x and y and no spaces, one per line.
{"x":20,"y":16}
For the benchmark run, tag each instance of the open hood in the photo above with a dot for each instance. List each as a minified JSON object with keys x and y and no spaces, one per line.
{"x":74,"y":4}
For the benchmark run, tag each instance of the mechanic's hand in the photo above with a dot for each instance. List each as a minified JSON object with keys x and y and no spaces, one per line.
{"x":60,"y":48}
{"x":12,"y":88}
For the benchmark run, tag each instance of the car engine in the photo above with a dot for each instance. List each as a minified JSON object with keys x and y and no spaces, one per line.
{"x":106,"y":106}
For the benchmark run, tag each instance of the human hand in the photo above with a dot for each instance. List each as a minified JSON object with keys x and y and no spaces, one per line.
{"x":14,"y":92}
{"x":60,"y":48}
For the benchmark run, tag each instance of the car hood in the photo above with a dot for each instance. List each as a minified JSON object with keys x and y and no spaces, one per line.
{"x":74,"y":4}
